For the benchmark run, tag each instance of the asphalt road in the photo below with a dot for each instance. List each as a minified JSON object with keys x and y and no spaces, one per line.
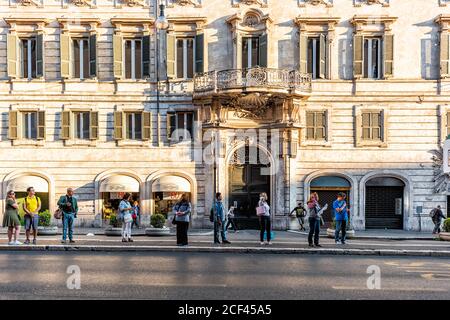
{"x":37,"y":275}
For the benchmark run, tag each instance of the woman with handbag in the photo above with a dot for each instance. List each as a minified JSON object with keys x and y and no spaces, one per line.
{"x":263,"y":211}
{"x":11,"y":218}
{"x":125,"y":215}
{"x":182,"y":212}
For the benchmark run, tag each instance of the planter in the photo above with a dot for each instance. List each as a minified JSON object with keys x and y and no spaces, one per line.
{"x":349,"y":235}
{"x":47,"y":231}
{"x":157,"y":232}
{"x":113,"y":232}
{"x":444,"y":236}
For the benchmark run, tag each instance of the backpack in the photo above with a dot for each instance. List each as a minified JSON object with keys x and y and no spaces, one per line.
{"x":432,"y":213}
{"x":211,"y":215}
{"x":300,"y":212}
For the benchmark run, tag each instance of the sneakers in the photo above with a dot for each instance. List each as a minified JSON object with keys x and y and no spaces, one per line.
{"x":11,"y":243}
{"x":72,"y":241}
{"x":318,"y":245}
{"x":17,"y":243}
{"x":27,"y":241}
{"x":226,"y":242}
{"x":269,"y":243}
{"x":263,"y":243}
{"x":337,"y":242}
{"x":311,"y":245}
{"x":130,"y":240}
{"x":124,"y":240}
{"x":34,"y":241}
{"x":63,"y":241}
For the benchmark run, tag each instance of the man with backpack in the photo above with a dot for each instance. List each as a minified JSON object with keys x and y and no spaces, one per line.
{"x":437,"y":216}
{"x":69,"y":206}
{"x":31,"y":206}
{"x":300,"y":213}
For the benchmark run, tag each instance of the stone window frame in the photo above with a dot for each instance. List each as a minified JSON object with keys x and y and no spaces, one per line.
{"x":373,"y":26}
{"x":20,"y":140}
{"x":444,"y":109}
{"x":124,"y":28}
{"x":74,"y":28}
{"x":358,"y":111}
{"x":186,"y":27}
{"x":241,"y":26}
{"x":124,"y":142}
{"x":443,"y":21}
{"x":314,"y":27}
{"x":72,"y":141}
{"x":305,"y":142}
{"x":25,"y":27}
{"x":174,"y":143}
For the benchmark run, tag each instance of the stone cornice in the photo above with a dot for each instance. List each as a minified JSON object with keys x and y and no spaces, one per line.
{"x":444,"y":21}
{"x":302,"y":21}
{"x":26,"y":21}
{"x":198,"y":21}
{"x":359,"y":21}
{"x":65,"y":22}
{"x":116,"y":22}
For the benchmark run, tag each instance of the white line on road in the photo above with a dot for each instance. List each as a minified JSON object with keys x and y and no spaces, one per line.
{"x":389,"y":289}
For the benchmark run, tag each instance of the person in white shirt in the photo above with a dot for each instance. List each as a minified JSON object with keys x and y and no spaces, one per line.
{"x":230,"y":216}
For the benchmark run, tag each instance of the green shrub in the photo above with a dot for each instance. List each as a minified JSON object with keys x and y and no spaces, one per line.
{"x":157,"y":220}
{"x":446,"y":226}
{"x":114,"y":222}
{"x":45,"y":218}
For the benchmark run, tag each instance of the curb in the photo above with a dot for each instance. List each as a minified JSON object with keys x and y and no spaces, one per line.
{"x":359,"y":237}
{"x":241,"y":250}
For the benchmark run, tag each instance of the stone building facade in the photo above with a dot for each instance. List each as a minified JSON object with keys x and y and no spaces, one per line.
{"x":330,"y":95}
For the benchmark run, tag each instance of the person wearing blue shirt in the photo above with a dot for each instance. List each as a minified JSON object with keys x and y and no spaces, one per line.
{"x":340,"y":217}
{"x":219,"y":220}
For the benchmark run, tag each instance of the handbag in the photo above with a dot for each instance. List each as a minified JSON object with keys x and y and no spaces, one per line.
{"x":174,"y":220}
{"x":58,"y":214}
{"x":127,"y":218}
{"x":260,"y":211}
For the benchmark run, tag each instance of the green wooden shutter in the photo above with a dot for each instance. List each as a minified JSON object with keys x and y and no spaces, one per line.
{"x":239,"y":51}
{"x":171,"y":125}
{"x":65,"y":125}
{"x":118,"y":58}
{"x":146,"y":125}
{"x":303,"y":53}
{"x":93,"y":55}
{"x":376,"y":126}
{"x":146,"y":56}
{"x":65,"y":55}
{"x":320,"y":125}
{"x":445,"y":55}
{"x":39,"y":55}
{"x":171,"y":70}
{"x":263,"y":50}
{"x":13,"y":125}
{"x":322,"y":56}
{"x":199,"y":52}
{"x":93,"y":125}
{"x":358,"y":56}
{"x":118,"y":125}
{"x":12,"y":42}
{"x":388,"y":55}
{"x":310,"y":125}
{"x":365,"y":122}
{"x":41,"y":125}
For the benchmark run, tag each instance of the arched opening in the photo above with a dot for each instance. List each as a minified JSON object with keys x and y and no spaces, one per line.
{"x":22,"y":183}
{"x":249,"y":173}
{"x":166,"y":191}
{"x":327,"y":187}
{"x":384,"y":203}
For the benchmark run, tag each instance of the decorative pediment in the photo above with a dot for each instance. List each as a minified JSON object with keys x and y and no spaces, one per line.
{"x":360,"y":3}
{"x":184,"y":3}
{"x":326,"y":3}
{"x":383,"y":21}
{"x":26,"y":3}
{"x":79,"y":3}
{"x":253,"y":20}
{"x":444,"y":3}
{"x":261,"y":3}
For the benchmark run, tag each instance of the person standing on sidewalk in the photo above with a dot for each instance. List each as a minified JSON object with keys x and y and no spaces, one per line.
{"x":264,"y":219}
{"x":136,"y":215}
{"x":125,"y":215}
{"x":182,"y":211}
{"x":31,"y":206}
{"x":340,"y":217}
{"x":300,"y":213}
{"x":437,"y":216}
{"x":68,"y":204}
{"x":313,"y":209}
{"x":230,"y":216}
{"x":11,"y":218}
{"x":219,"y":220}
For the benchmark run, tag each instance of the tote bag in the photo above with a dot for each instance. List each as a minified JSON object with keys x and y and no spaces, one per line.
{"x":127,"y":218}
{"x":260,"y":211}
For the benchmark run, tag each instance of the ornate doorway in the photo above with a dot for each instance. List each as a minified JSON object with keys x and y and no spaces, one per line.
{"x":248,"y":177}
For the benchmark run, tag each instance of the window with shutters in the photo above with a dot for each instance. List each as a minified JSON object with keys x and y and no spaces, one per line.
{"x":185,"y":60}
{"x":443,"y":21}
{"x":133,"y":59}
{"x":316,"y":125}
{"x":314,"y":57}
{"x":133,"y":125}
{"x":180,"y":126}
{"x":250,"y":52}
{"x":80,"y":58}
{"x":26,"y":126}
{"x":371,"y":126}
{"x":79,"y":126}
{"x":372,"y":58}
{"x":82,"y":124}
{"x":30,"y":124}
{"x":27,"y":58}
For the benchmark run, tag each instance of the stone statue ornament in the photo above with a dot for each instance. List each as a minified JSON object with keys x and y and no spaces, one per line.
{"x":441,"y":178}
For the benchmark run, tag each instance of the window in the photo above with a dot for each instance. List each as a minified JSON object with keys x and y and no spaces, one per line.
{"x":28,"y":55}
{"x":29,"y":121}
{"x":81,"y":58}
{"x":133,"y":125}
{"x":82,"y":120}
{"x":180,"y":126}
{"x":133,"y":59}
{"x":185,"y":58}
{"x":447,"y":124}
{"x":371,"y":126}
{"x":316,"y":125}
{"x":372,"y":58}
{"x":250,"y":52}
{"x":314,"y":57}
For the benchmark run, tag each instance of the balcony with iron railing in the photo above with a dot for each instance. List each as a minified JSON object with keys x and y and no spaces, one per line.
{"x":255,"y":79}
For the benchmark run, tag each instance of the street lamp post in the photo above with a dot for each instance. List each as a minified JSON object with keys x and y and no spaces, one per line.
{"x":160,"y":24}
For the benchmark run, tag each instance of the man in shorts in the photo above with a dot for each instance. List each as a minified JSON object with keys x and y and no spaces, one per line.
{"x":31,"y":206}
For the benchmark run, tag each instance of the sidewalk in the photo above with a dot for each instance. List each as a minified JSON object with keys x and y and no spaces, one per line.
{"x":246,"y":241}
{"x":382,"y":234}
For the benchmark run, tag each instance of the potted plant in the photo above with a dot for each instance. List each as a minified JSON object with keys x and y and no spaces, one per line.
{"x":445,"y":234}
{"x":350,"y":233}
{"x":45,"y":227}
{"x":158,"y":227}
{"x":115,"y":227}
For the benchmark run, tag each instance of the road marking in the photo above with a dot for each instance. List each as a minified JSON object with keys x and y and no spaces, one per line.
{"x":389,"y":289}
{"x":436,"y":276}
